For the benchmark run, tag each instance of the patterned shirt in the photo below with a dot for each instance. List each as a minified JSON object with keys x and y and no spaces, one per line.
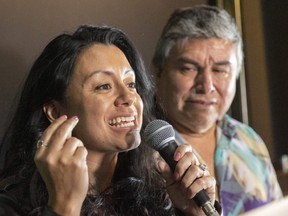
{"x":244,"y":173}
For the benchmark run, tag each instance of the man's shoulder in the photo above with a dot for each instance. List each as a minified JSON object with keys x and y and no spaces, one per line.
{"x":232,"y":123}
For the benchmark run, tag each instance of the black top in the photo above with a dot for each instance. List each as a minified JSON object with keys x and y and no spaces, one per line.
{"x":15,"y":201}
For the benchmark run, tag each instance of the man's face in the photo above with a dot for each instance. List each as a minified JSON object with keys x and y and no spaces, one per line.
{"x":197,"y":83}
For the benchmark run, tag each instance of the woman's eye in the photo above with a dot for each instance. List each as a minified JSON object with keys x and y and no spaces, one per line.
{"x":132,"y":85}
{"x":103,"y":87}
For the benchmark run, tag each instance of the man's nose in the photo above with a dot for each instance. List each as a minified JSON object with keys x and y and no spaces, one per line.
{"x":204,"y":82}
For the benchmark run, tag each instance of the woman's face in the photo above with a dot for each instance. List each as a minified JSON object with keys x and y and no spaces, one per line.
{"x":103,"y":95}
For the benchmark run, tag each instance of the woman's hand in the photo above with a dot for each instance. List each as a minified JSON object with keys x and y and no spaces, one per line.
{"x":61,"y":161}
{"x":187,"y":180}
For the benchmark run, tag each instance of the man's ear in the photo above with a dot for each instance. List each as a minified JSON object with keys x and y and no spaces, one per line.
{"x":52,"y":110}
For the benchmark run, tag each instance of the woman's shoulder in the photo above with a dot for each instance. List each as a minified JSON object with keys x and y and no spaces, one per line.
{"x":13,"y":195}
{"x":8,"y":203}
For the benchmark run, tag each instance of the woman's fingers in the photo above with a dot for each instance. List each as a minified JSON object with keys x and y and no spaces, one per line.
{"x":59,"y":144}
{"x":44,"y":140}
{"x":62,"y":163}
{"x":60,"y":147}
{"x":188,"y":179}
{"x":71,"y":145}
{"x":207,"y":183}
{"x":181,"y":150}
{"x":186,"y":158}
{"x":81,"y":153}
{"x":55,"y":136}
{"x":190,"y":175}
{"x":166,"y":172}
{"x":61,"y":133}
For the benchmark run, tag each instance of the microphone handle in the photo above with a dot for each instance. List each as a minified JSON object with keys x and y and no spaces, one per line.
{"x":201,"y":198}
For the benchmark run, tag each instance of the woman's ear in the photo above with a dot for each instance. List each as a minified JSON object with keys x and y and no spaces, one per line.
{"x":52,"y":110}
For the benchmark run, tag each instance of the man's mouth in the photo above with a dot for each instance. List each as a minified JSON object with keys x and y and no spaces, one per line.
{"x":202,"y":102}
{"x":122,"y":121}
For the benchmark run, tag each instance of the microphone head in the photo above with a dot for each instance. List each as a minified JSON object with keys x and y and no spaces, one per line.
{"x":158,"y":134}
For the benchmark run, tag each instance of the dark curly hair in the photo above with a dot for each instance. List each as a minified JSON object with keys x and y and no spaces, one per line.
{"x":137,"y":188}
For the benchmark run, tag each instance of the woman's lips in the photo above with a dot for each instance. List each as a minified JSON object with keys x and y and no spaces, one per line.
{"x":122,"y":122}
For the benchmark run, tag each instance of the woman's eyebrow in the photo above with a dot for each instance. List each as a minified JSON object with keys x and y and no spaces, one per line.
{"x":130,"y":71}
{"x":106,"y":72}
{"x":93,"y":73}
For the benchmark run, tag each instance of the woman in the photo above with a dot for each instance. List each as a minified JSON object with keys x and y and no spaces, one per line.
{"x":72,"y":147}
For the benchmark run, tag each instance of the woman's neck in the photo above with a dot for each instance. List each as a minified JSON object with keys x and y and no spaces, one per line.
{"x":101,"y":169}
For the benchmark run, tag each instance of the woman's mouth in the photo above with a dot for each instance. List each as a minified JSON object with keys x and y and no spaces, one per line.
{"x":122,"y":122}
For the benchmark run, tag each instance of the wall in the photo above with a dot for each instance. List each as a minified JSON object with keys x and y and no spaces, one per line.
{"x":275,"y":18}
{"x":259,"y":108}
{"x":265,"y":33}
{"x":27,"y":26}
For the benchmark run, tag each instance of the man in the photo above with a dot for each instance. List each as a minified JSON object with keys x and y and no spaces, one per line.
{"x":197,"y":61}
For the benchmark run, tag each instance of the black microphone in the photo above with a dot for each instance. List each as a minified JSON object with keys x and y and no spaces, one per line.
{"x":160,"y":136}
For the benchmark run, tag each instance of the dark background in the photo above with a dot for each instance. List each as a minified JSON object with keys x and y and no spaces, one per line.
{"x":27,"y":26}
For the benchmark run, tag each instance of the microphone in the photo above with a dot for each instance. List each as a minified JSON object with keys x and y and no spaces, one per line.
{"x":160,"y":136}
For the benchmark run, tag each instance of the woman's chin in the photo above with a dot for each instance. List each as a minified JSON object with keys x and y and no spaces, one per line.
{"x":130,"y":145}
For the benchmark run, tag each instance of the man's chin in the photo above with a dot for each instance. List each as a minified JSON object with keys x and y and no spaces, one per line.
{"x":200,"y":127}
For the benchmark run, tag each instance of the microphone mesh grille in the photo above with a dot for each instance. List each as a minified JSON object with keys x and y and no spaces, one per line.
{"x":157,"y":133}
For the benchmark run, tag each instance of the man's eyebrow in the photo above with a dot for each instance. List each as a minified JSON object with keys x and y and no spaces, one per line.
{"x":191,"y":61}
{"x":223,"y":63}
{"x":187,"y":60}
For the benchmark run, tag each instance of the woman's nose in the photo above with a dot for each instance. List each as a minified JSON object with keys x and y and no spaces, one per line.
{"x":126,"y":97}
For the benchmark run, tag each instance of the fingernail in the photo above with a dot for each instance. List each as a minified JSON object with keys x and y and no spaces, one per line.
{"x":177,"y":156}
{"x":63,"y":117}
{"x":75,"y":118}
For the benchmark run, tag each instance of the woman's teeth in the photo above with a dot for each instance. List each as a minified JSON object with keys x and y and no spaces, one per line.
{"x":122,"y":121}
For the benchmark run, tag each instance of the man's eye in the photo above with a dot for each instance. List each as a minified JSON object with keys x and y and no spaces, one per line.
{"x":103,"y":87}
{"x":188,"y":69}
{"x":220,"y":70}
